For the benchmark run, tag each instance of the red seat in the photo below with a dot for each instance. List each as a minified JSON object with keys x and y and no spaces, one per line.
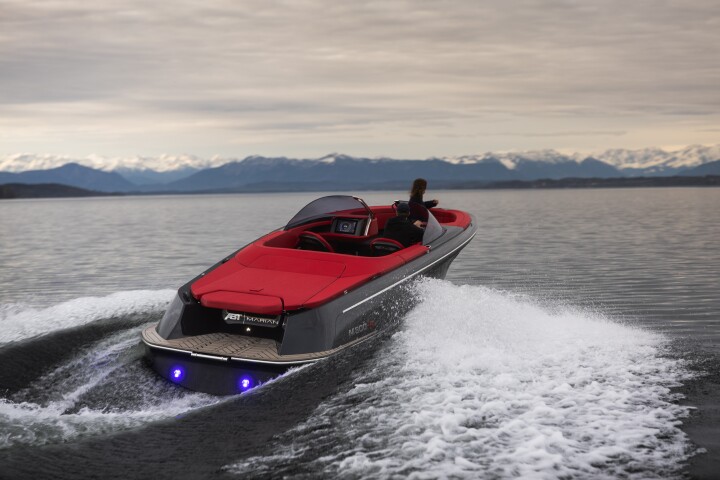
{"x":385,"y":246}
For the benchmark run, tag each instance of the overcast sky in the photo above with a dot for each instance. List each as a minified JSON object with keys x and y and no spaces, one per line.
{"x":408,"y":79}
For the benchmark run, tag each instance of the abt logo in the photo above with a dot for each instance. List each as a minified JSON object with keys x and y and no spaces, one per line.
{"x":245,"y":319}
{"x":234,"y":317}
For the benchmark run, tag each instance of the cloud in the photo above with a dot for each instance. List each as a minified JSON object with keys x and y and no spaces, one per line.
{"x":311,"y":76}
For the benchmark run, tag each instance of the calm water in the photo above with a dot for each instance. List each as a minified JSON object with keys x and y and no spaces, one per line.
{"x":568,"y":341}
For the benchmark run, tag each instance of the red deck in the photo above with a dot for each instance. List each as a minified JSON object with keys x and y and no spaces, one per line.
{"x":271,"y":275}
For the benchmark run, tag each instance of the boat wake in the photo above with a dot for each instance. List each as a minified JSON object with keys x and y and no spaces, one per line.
{"x":75,"y":369}
{"x":20,"y":322}
{"x":484,"y":383}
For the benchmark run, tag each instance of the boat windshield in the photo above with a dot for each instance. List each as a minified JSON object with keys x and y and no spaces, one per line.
{"x":433,"y":229}
{"x":325,"y":207}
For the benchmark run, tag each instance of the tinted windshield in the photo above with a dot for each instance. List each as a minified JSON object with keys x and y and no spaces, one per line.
{"x":433,"y":229}
{"x":326,"y":206}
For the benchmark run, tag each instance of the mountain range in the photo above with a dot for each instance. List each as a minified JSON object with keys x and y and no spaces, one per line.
{"x":187,"y":173}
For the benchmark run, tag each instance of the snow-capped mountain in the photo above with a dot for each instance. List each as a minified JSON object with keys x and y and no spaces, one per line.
{"x":542,"y":164}
{"x":22,"y":162}
{"x":191,"y":173}
{"x":333,"y":171}
{"x":512,"y":159}
{"x":642,"y":161}
{"x":655,"y":161}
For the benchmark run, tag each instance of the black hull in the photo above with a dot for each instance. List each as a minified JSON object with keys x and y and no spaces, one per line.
{"x":308,"y":335}
{"x":208,"y":375}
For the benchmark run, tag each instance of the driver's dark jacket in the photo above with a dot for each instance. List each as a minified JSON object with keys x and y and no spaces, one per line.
{"x":419,"y":199}
{"x":401,"y":229}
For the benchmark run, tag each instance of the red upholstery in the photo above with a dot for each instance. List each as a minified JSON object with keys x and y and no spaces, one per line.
{"x":343,"y":238}
{"x":289,"y":238}
{"x":271,"y":270}
{"x":373,"y":228}
{"x":451,"y":218}
{"x":382,"y":214}
{"x":448,"y":218}
{"x":301,"y":278}
{"x":381,"y":242}
{"x":291,"y":275}
{"x":298,"y":265}
{"x":243,"y":302}
{"x":387,"y":240}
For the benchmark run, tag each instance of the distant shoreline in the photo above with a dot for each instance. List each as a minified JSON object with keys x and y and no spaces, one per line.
{"x":55,"y":190}
{"x":11,"y":191}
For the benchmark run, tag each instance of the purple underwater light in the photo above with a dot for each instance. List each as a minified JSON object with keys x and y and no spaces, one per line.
{"x":177,"y":374}
{"x":245,"y":383}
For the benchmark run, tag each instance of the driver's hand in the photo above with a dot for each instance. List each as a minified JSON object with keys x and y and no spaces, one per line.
{"x":436,"y":202}
{"x":418,"y":223}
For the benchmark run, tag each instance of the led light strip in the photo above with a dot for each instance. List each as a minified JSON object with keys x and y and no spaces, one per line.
{"x":267,"y":362}
{"x":209,"y":357}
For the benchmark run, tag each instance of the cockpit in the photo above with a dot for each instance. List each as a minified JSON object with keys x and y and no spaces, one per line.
{"x":347,"y":225}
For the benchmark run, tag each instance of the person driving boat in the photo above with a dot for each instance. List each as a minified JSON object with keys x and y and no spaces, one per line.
{"x":401,"y":229}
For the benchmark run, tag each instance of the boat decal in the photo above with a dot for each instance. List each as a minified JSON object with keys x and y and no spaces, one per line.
{"x":234,"y":318}
{"x":357,"y":329}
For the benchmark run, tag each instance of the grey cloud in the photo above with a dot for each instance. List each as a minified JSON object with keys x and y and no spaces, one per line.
{"x":433,"y":67}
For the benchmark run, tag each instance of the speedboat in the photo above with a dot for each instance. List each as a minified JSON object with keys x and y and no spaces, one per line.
{"x":325,"y":282}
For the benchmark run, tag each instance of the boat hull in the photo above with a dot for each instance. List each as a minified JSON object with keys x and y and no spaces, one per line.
{"x":227,"y":363}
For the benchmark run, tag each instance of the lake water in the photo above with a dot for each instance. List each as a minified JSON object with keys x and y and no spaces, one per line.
{"x":577,"y":336}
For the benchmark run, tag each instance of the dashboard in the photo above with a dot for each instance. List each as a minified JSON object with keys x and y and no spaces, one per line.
{"x":355,"y":227}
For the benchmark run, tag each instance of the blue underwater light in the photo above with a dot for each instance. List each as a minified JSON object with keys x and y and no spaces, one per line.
{"x":177,"y":374}
{"x":245,"y":383}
